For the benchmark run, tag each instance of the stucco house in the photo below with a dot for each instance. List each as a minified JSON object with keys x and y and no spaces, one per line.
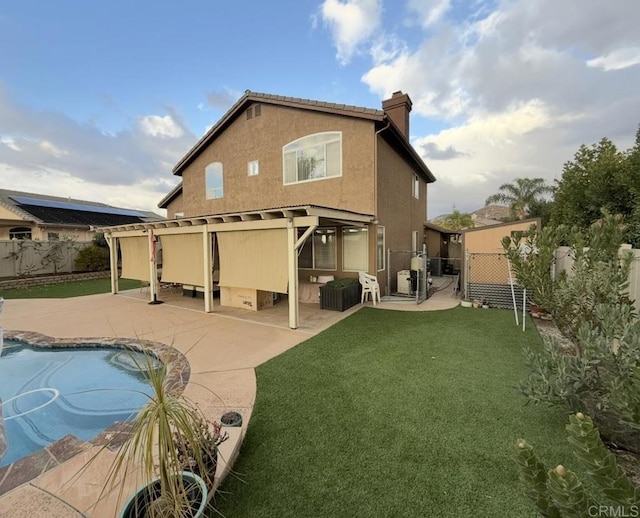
{"x":27,"y":215}
{"x":281,"y":190}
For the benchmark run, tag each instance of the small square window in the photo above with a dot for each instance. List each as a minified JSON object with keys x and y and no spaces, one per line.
{"x":253,"y":168}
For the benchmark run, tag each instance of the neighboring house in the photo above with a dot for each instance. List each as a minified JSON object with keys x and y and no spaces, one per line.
{"x":26,"y":215}
{"x":289,"y":189}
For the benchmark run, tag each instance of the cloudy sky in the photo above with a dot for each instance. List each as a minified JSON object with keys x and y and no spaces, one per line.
{"x":98,"y":100}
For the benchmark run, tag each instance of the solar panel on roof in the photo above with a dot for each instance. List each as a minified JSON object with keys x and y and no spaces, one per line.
{"x":23,"y":200}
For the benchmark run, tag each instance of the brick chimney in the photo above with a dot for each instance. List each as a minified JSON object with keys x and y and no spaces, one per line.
{"x":398,"y":108}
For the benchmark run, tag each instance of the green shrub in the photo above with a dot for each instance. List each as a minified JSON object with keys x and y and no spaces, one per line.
{"x":559,"y":493}
{"x":599,"y":275}
{"x":603,"y":379}
{"x":92,"y":259}
{"x":532,"y":258}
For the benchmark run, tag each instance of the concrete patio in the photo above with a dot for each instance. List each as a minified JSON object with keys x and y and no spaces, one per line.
{"x":223,"y":349}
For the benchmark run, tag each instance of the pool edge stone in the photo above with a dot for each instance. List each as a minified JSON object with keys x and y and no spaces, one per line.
{"x":28,"y":468}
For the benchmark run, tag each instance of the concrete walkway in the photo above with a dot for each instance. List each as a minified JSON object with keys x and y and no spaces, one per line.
{"x":223,"y":351}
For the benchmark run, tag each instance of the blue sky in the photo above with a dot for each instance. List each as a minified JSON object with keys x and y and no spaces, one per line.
{"x":98,"y":100}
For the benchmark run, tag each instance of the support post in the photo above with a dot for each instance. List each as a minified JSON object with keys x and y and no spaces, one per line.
{"x":113,"y":261}
{"x":153,"y":271}
{"x":293,"y":274}
{"x":207,"y":274}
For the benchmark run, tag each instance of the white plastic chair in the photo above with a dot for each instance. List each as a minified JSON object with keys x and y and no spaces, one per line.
{"x":371,"y":286}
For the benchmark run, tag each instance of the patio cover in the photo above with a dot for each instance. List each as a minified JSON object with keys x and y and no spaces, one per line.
{"x":135,"y":258}
{"x":254,"y":259}
{"x":182,"y":259}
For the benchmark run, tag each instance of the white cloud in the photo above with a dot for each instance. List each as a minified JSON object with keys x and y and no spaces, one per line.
{"x":514,"y":86}
{"x":10,"y":143}
{"x":618,"y":59}
{"x":352,"y":22}
{"x":50,"y":142}
{"x":160,"y":126}
{"x":142,"y":195}
{"x":52,"y":149}
{"x":428,"y":11}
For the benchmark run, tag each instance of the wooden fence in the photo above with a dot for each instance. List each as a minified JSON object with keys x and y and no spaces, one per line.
{"x":25,"y":257}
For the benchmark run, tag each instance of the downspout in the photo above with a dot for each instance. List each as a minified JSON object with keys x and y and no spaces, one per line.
{"x":375,"y":192}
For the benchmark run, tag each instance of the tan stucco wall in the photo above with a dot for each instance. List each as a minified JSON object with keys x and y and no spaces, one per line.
{"x":176,"y":205}
{"x":489,"y":239}
{"x":262,"y":138}
{"x":7,"y":214}
{"x":398,"y":210}
{"x":434,"y":240}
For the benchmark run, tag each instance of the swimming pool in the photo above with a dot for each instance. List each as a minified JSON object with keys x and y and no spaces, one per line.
{"x":48,"y":393}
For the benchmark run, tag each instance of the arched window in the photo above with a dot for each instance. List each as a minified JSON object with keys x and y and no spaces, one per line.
{"x":213,"y":178}
{"x":20,"y":233}
{"x":313,"y":157}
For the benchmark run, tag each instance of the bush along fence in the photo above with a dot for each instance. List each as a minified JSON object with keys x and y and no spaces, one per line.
{"x":27,"y":258}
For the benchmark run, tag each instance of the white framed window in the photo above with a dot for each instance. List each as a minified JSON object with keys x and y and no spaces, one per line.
{"x":380,"y":242}
{"x":313,"y":157}
{"x":355,"y":249}
{"x":253,"y":168}
{"x":319,"y":250}
{"x":214,"y":180}
{"x":20,"y":233}
{"x":416,"y":187}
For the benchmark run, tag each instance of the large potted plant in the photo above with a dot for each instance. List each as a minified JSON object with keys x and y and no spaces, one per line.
{"x":174,"y":448}
{"x":340,"y":294}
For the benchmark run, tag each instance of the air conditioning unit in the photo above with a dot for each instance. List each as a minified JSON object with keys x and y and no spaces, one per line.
{"x":404,"y":282}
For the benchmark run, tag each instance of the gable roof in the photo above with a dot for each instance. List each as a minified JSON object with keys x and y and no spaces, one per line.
{"x":171,"y":195}
{"x":54,"y":210}
{"x":394,"y":135}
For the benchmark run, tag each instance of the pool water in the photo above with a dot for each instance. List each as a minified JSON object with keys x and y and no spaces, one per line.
{"x":48,"y":393}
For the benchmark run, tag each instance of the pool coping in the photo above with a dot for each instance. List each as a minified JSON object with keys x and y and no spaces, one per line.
{"x":32,"y":466}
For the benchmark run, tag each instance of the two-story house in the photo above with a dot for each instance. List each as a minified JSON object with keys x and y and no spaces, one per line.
{"x":284,"y":189}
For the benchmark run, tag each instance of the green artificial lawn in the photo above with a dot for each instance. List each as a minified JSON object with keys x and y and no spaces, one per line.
{"x":68,"y":289}
{"x":396,"y":414}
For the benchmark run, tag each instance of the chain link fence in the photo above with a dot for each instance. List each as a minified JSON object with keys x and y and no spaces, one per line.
{"x":487,"y":278}
{"x":407,"y":275}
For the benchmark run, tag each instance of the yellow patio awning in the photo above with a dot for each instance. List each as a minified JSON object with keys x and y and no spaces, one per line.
{"x":135,"y":258}
{"x":254,"y":259}
{"x":183,"y":259}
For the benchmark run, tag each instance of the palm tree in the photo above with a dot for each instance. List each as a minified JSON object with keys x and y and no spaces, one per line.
{"x":457,"y":220}
{"x":520,"y":195}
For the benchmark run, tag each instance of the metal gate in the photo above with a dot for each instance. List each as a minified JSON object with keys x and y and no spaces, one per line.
{"x":407,"y":275}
